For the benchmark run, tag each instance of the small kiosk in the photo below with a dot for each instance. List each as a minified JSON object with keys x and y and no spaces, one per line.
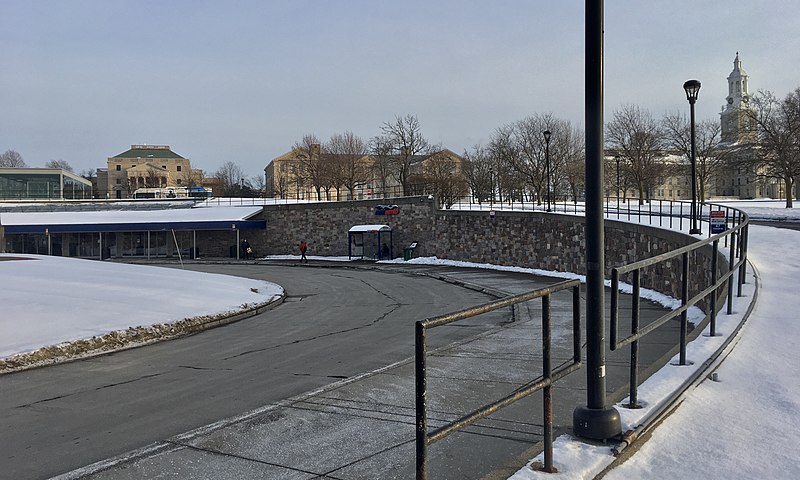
{"x":370,"y":242}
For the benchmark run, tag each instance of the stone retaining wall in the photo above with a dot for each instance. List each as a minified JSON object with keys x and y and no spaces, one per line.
{"x":526,"y":239}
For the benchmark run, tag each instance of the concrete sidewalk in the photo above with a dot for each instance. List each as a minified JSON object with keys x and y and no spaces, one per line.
{"x":363,"y":427}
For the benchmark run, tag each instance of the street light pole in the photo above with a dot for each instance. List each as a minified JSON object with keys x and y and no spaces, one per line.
{"x":616,"y":157}
{"x":595,"y":420}
{"x":546,"y":134}
{"x":692,"y":88}
{"x":491,"y":188}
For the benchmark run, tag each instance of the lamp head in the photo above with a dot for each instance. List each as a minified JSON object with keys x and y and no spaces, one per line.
{"x":692,"y":88}
{"x":546,"y":134}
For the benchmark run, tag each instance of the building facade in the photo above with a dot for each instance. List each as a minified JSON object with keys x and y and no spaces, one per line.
{"x":286,"y":176}
{"x":42,"y":184}
{"x":144,"y":166}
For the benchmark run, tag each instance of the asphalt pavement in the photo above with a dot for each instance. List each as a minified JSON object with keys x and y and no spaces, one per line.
{"x":361,"y":425}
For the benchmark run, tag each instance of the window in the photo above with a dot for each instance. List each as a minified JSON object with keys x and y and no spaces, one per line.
{"x":119,"y":167}
{"x":119,"y":181}
{"x":179,"y":168}
{"x":178,"y":181}
{"x":164,"y":167}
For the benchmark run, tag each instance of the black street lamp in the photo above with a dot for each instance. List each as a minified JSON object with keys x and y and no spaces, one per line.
{"x":616,"y":157}
{"x":491,"y":188}
{"x":596,"y":420}
{"x":692,"y":88}
{"x":546,"y":134}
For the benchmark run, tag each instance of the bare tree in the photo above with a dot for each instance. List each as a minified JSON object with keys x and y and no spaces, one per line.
{"x":347,"y":158}
{"x":479,"y":173}
{"x":153,"y":178}
{"x":442,"y":174}
{"x":778,"y":126}
{"x":259,"y":185}
{"x":381,"y":148}
{"x":313,"y":169}
{"x":637,"y":137}
{"x":710,"y":157}
{"x":12,"y":159}
{"x":231,"y":175}
{"x":62,"y":164}
{"x":505,"y":152}
{"x":405,"y":136}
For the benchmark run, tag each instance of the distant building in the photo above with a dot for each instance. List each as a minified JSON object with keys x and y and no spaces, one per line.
{"x":145,"y":166}
{"x":42,"y":184}
{"x":284,"y":176}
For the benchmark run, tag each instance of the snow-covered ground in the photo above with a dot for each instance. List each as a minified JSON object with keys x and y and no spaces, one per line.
{"x":54,"y":300}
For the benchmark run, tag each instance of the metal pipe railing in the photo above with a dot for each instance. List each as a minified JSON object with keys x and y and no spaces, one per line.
{"x":549,"y":375}
{"x":736,"y":270}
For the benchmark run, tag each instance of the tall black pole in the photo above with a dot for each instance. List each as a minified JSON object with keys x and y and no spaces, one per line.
{"x":547,"y":158}
{"x":694,"y":228}
{"x":616,"y":157}
{"x":595,"y":420}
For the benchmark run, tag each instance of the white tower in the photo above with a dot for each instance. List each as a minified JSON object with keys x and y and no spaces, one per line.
{"x":736,"y":121}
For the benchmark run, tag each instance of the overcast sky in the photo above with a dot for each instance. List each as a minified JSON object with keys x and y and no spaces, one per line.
{"x":243,"y":80}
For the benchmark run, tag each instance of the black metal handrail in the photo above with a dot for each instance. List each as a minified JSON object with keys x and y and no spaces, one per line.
{"x":548,"y":378}
{"x":737,"y":232}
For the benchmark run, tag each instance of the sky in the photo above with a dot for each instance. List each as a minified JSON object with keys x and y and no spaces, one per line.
{"x":243,"y":81}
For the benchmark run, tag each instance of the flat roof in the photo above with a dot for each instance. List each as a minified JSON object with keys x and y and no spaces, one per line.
{"x":370,"y":228}
{"x":197,"y":218}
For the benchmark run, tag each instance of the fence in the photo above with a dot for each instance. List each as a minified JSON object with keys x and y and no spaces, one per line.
{"x":735,"y":235}
{"x":545,"y":382}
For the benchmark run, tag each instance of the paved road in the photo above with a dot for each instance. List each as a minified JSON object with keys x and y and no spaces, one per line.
{"x":335,"y":323}
{"x":777,"y":224}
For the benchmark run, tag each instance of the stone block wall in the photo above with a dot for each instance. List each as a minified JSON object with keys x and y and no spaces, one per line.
{"x":526,"y":239}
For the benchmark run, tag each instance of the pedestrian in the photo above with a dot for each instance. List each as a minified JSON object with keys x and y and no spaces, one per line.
{"x":385,"y":254}
{"x":246,"y":250}
{"x":303,"y":248}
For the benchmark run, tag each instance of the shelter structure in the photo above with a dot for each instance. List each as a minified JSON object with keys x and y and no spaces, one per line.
{"x":131,"y":233}
{"x":370,"y":242}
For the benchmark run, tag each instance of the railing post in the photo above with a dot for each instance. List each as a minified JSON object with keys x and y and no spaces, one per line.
{"x":713,"y":323}
{"x":731,"y":260}
{"x":634,"y":379}
{"x":614,"y":313}
{"x":421,"y":401}
{"x":684,"y":300}
{"x":576,"y":324}
{"x":547,"y":373}
{"x":743,"y":267}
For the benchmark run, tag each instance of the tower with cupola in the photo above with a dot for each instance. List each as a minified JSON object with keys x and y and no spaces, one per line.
{"x":736,"y":117}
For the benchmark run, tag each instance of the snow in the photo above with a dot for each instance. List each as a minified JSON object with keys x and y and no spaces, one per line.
{"x":52,"y":300}
{"x":196,"y":214}
{"x":746,"y":425}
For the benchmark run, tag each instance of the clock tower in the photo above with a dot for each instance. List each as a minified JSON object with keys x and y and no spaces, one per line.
{"x":737,"y":124}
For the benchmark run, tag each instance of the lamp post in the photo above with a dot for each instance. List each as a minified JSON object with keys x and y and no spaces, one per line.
{"x":692,"y":88}
{"x":546,"y":134}
{"x":596,"y":420}
{"x":616,"y":157}
{"x":491,"y":188}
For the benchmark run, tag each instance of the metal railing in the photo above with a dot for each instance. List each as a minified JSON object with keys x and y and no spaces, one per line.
{"x":545,"y":382}
{"x":736,"y":270}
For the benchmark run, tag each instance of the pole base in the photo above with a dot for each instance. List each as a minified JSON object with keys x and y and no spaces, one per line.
{"x":595,"y":423}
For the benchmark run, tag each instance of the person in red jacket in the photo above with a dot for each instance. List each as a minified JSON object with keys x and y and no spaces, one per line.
{"x":303,"y":248}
